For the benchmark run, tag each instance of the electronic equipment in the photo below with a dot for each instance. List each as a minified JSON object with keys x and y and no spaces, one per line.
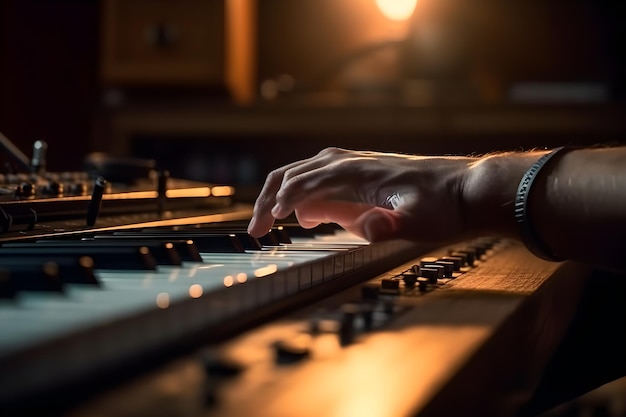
{"x":154,"y":310}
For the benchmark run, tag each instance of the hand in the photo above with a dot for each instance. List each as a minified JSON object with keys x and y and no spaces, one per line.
{"x":375,"y":195}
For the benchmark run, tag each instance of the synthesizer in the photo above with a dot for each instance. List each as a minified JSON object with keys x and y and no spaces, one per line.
{"x":150,"y":299}
{"x":302,"y":322}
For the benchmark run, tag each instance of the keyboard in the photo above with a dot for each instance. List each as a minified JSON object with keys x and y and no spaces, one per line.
{"x":78,"y":305}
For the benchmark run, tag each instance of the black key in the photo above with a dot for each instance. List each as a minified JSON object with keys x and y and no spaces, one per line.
{"x":248,"y":242}
{"x":217,"y":243}
{"x":7,"y":286}
{"x":36,"y":277}
{"x":282,"y":234}
{"x":137,"y":257}
{"x":277,"y":235}
{"x":164,"y":252}
{"x":186,"y":248}
{"x":269,"y":239}
{"x":71,"y":269}
{"x":295,"y":230}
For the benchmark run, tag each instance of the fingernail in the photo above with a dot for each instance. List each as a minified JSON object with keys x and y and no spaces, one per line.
{"x":251,"y":224}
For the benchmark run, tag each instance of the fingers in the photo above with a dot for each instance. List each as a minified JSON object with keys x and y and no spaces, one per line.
{"x":291,"y":185}
{"x":343,"y":213}
{"x":372,"y":223}
{"x":330,"y":177}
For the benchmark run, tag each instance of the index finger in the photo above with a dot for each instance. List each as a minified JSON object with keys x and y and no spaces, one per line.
{"x":262,"y":219}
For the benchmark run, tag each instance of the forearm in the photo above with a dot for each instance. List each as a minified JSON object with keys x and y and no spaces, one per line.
{"x":577,"y":205}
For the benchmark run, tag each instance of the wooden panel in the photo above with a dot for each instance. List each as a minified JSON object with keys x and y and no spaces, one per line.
{"x":163,"y":42}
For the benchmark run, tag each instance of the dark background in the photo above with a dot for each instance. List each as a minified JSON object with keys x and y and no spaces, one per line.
{"x":51,"y":86}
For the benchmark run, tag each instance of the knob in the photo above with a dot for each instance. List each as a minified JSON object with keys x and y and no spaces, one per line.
{"x":292,"y":349}
{"x":456,"y":260}
{"x":369,"y":291}
{"x":389,"y":284}
{"x":448,"y":268}
{"x":77,"y":188}
{"x":410,"y":278}
{"x":440,"y":269}
{"x":347,"y":329}
{"x":221,"y":367}
{"x":53,"y":188}
{"x":422,"y":284}
{"x":25,"y":189}
{"x":428,"y":260}
{"x":432,"y":274}
{"x":470,"y":255}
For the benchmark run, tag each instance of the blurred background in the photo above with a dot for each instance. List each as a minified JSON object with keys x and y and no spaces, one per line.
{"x":226,"y":90}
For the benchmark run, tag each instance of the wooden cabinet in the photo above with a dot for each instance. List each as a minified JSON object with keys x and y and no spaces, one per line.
{"x":189,"y":43}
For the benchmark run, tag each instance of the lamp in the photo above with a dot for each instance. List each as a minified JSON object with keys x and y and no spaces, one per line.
{"x":397,"y":9}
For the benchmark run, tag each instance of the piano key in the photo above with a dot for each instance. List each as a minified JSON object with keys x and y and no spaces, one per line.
{"x":104,"y":258}
{"x":71,"y":269}
{"x":219,"y":243}
{"x":129,"y":292}
{"x":7,"y":286}
{"x":275,"y":236}
{"x":243,"y":241}
{"x":186,"y":248}
{"x":37,"y":276}
{"x":164,"y":253}
{"x":219,"y":271}
{"x":135,"y":310}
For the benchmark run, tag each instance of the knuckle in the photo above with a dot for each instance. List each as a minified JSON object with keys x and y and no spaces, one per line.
{"x":275,"y":175}
{"x":331,"y":150}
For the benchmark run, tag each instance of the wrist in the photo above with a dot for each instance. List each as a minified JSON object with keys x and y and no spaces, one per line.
{"x":489,"y":192}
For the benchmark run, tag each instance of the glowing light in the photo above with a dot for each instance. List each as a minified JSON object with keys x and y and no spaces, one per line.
{"x":242,"y":277}
{"x":397,"y":9}
{"x":86,"y":261}
{"x":163,"y":300}
{"x":195,"y":291}
{"x":188,"y":192}
{"x":222,"y":191}
{"x":266,"y":270}
{"x":229,"y":281}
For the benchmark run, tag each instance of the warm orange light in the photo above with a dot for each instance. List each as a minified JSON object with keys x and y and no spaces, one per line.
{"x":222,"y":191}
{"x":229,"y":281}
{"x":163,"y":300}
{"x":195,"y":291}
{"x":397,"y":9}
{"x":265,"y":270}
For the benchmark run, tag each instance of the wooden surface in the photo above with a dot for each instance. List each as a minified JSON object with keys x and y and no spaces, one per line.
{"x":475,"y":347}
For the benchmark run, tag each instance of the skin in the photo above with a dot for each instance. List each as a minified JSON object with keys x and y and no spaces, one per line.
{"x":577,"y":207}
{"x":579,"y":197}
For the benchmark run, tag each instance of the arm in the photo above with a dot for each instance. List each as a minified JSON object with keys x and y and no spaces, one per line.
{"x":577,"y":206}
